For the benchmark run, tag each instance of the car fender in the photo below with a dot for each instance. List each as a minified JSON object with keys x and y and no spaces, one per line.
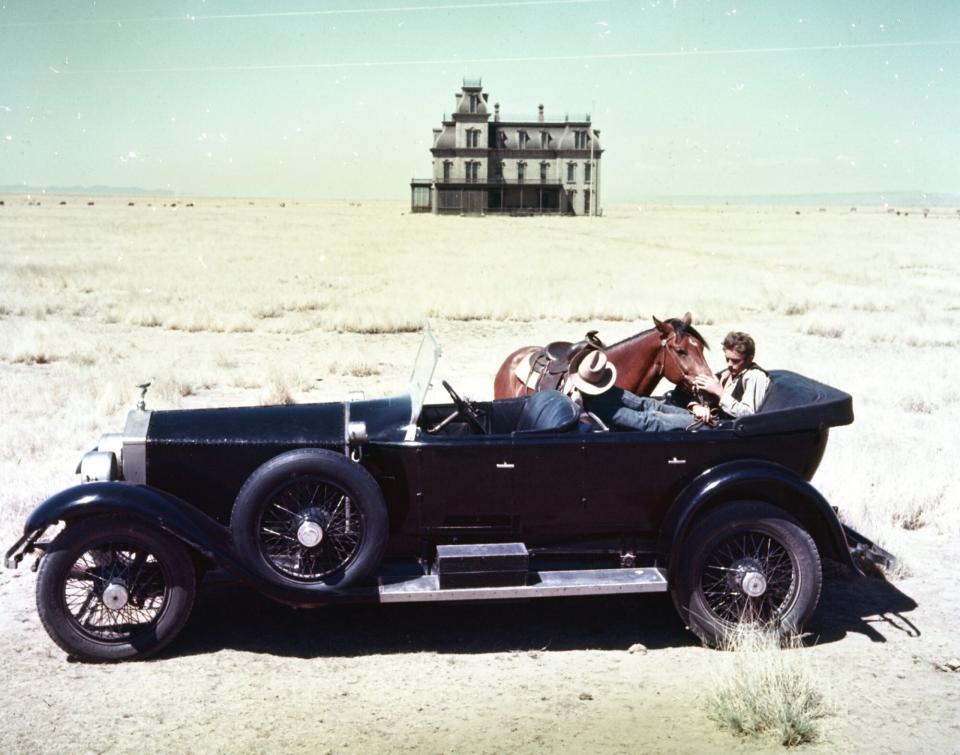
{"x":754,"y":480}
{"x":153,"y":507}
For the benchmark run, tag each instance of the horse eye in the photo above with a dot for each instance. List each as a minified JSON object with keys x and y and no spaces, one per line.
{"x":682,"y":353}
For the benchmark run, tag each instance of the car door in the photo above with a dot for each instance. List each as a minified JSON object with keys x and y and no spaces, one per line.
{"x":466,"y":489}
{"x":632,"y":477}
{"x":548,"y":486}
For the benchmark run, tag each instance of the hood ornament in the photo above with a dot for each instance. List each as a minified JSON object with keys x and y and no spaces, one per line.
{"x":142,"y":404}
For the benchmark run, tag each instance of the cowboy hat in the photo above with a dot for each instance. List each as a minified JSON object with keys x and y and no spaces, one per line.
{"x":595,"y":374}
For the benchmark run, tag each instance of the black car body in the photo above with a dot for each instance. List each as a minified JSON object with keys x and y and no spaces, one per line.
{"x":393,"y":500}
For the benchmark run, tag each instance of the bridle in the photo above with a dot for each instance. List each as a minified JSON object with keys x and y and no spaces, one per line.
{"x":660,"y":366}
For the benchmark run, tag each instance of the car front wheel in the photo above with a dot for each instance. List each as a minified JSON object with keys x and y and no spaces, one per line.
{"x":111,"y":590}
{"x":747,"y":564}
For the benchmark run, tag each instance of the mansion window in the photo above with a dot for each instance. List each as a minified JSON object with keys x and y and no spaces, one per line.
{"x":586,"y":172}
{"x":544,"y":171}
{"x":473,"y":172}
{"x":447,"y":167}
{"x":522,"y":139}
{"x":498,"y":170}
{"x":545,"y":140}
{"x":473,"y":137}
{"x":571,"y":171}
{"x":580,"y":139}
{"x":521,"y":172}
{"x":586,"y":202}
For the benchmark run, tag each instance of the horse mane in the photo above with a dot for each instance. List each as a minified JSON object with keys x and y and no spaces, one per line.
{"x":679,"y":326}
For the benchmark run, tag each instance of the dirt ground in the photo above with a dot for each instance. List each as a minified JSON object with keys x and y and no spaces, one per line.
{"x":247,"y":675}
{"x":95,"y":299}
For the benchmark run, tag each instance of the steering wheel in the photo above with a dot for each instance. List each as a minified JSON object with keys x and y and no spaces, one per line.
{"x":464,"y":409}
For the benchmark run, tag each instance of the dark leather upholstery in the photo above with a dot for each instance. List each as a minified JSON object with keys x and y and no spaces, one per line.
{"x":548,"y":411}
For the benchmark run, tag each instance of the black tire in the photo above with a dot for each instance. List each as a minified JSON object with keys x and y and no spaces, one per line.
{"x":718,"y":567}
{"x":311,"y":487}
{"x":152,"y":585}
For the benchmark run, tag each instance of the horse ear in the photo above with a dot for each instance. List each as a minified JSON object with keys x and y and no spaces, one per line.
{"x":688,"y":319}
{"x":661,"y":326}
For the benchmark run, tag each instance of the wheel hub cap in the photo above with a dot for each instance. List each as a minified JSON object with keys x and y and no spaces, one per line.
{"x":754,"y":584}
{"x":115,"y":596}
{"x":309,"y":534}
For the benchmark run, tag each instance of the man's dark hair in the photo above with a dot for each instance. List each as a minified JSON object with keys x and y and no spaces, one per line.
{"x":740,"y":343}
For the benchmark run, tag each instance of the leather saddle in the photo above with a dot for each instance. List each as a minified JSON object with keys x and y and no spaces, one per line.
{"x":548,"y":367}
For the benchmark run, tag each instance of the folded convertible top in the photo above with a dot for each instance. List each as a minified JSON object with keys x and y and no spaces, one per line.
{"x":794,"y":403}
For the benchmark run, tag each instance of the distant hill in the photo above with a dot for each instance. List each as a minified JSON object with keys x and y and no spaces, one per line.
{"x":862,"y":199}
{"x":99,"y":191}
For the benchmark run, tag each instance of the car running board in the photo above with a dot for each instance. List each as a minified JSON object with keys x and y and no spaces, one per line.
{"x":540,"y":584}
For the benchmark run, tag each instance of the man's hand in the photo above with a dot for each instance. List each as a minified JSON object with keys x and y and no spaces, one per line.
{"x":701,"y":412}
{"x":708,"y":384}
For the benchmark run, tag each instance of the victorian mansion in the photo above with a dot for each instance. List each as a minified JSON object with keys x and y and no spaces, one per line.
{"x":517,"y":166}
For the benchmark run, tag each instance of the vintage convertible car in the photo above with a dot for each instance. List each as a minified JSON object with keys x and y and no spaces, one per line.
{"x":393,"y":500}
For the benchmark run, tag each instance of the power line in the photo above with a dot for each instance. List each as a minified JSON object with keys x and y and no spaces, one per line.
{"x":300,"y":13}
{"x":524,"y":59}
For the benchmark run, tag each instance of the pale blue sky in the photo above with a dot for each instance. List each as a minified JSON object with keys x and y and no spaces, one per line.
{"x":338,"y":99}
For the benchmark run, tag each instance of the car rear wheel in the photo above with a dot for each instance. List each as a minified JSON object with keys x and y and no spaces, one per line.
{"x":311,"y":518}
{"x":111,"y":590}
{"x":746,"y":564}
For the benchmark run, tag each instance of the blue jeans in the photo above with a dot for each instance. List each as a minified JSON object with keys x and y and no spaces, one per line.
{"x":627,"y":411}
{"x":650,"y":414}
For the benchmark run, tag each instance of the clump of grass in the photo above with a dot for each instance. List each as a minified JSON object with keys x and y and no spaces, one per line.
{"x":354,"y":368}
{"x":34,"y":356}
{"x":277,"y":391}
{"x":374,"y":324}
{"x":824,"y":331}
{"x":794,"y":308}
{"x":766,"y":690}
{"x":917,"y":405}
{"x":268,"y":312}
{"x":145,"y":319}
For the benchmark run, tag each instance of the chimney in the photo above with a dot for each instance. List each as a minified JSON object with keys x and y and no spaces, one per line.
{"x":496,"y":111}
{"x":540,"y":113}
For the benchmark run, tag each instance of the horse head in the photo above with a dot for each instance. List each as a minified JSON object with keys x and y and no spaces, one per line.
{"x":682,"y":350}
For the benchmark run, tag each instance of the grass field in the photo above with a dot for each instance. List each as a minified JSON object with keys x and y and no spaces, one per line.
{"x":237,"y":301}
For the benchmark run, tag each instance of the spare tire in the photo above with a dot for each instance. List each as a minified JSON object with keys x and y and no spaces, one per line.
{"x":311,"y":518}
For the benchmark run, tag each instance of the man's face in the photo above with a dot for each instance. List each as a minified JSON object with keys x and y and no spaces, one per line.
{"x":735,"y":361}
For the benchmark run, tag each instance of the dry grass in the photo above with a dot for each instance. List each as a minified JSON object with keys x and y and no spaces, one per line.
{"x":766,"y":690}
{"x":92,"y":302}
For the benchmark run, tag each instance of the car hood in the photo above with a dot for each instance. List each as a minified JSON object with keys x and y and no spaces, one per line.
{"x":309,"y":424}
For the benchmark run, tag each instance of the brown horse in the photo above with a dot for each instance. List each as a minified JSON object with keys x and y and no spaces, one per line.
{"x":673,"y":349}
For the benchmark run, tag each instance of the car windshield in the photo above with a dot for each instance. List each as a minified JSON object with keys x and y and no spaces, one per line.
{"x":423,"y":368}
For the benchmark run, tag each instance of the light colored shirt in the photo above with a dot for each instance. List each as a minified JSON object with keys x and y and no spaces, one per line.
{"x":755,"y":384}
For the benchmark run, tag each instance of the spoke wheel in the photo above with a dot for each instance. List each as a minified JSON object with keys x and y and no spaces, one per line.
{"x":310,"y":528}
{"x":749,"y":577}
{"x":746,"y":564}
{"x":310,"y":518}
{"x":113,"y":590}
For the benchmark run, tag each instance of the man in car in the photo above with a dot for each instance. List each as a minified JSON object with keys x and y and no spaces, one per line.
{"x":740,"y":388}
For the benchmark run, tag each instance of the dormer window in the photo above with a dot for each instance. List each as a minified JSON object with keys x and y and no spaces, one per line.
{"x":523,"y":139}
{"x":474,"y":102}
{"x":502,"y":139}
{"x":545,"y":140}
{"x":580,"y":139}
